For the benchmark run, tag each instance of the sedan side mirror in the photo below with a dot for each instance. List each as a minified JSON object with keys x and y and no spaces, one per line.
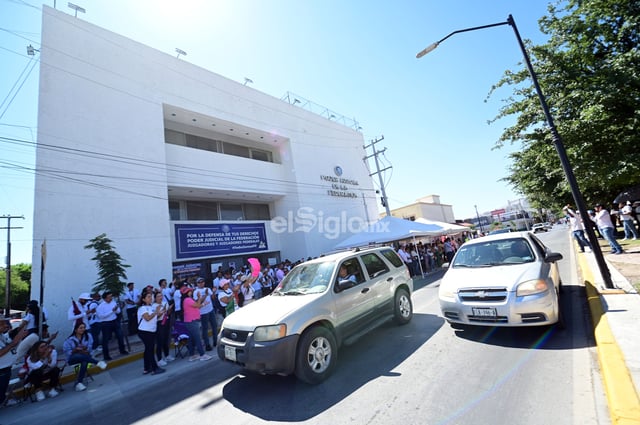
{"x":552,"y":257}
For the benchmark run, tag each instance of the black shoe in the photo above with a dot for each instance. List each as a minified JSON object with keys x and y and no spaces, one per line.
{"x":108,"y":358}
{"x":208,"y":348}
{"x":124,"y":353}
{"x":157,"y":371}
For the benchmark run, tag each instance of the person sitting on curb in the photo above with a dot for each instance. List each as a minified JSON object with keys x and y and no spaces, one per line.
{"x":8,"y":354}
{"x":76,"y":349}
{"x":42,"y":365}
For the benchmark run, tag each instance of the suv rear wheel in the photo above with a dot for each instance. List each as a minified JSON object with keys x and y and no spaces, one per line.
{"x":403,"y":309}
{"x":316,"y":356}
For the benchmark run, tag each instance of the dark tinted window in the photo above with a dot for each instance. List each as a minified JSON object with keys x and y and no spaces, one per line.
{"x":375,"y":265}
{"x":393,"y":258}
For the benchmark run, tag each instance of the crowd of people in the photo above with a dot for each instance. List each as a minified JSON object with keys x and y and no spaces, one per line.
{"x":151,"y":313}
{"x":428,"y":257}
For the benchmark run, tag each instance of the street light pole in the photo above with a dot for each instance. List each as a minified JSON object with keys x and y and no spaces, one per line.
{"x":7,"y":294}
{"x":557,"y":141}
{"x":478,"y":217}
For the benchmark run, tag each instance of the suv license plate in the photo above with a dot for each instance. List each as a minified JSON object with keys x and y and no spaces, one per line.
{"x":482,"y":312}
{"x":230,"y":353}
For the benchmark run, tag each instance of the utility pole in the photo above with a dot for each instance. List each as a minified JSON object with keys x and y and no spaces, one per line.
{"x":7,"y":294}
{"x":385,"y":202}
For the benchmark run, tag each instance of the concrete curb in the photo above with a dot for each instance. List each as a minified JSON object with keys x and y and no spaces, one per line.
{"x":70,"y":377}
{"x":623,"y":401}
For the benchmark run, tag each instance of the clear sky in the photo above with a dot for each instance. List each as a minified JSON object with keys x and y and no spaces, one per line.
{"x":355,"y":57}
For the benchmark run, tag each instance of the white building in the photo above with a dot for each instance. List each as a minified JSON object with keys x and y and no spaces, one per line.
{"x":177,"y":165}
{"x":426,"y":207}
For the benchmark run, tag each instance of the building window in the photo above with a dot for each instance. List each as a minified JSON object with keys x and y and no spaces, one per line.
{"x":231,"y":212}
{"x":256,"y":212}
{"x":261,"y":155}
{"x":202,"y":210}
{"x":174,"y":210}
{"x":213,"y":145}
{"x":235,"y":150}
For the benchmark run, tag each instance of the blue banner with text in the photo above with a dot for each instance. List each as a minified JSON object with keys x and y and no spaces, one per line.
{"x":210,"y":240}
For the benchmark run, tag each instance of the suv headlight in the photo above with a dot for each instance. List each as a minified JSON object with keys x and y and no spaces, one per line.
{"x":270,"y":333}
{"x":531,"y":287}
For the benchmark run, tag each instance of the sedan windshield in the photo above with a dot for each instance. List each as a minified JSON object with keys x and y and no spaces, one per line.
{"x":494,"y":253}
{"x":310,"y":278}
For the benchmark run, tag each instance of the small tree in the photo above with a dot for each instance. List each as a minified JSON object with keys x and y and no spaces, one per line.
{"x":111,"y":271}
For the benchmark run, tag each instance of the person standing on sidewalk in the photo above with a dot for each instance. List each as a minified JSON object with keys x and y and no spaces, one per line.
{"x":147,"y":326}
{"x":163,"y":330}
{"x":94,"y":323}
{"x":630,"y":231}
{"x":608,"y":231}
{"x":207,"y":315}
{"x":577,"y":227}
{"x":191,"y":312}
{"x":107,"y":313}
{"x":132,"y":301}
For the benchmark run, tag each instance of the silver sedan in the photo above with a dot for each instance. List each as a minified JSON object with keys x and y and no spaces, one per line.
{"x":508,"y":279}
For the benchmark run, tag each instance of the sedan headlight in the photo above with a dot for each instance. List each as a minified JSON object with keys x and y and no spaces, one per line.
{"x":269,"y":333}
{"x":531,"y":287}
{"x":447,"y":291}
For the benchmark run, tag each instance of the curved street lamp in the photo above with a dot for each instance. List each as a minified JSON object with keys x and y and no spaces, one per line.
{"x":557,"y":141}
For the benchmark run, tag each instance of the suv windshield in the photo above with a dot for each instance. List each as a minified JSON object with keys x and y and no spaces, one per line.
{"x":312,"y":278}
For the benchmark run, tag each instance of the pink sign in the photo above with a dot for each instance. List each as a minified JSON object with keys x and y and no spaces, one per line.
{"x":255,"y":266}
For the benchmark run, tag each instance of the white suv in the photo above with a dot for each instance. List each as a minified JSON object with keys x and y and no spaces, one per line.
{"x":299,"y":327}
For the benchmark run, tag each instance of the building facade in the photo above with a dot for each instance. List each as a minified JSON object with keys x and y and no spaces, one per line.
{"x":183,"y":169}
{"x":426,"y":207}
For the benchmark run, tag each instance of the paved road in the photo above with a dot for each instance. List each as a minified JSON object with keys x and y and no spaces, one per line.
{"x":422,"y":373}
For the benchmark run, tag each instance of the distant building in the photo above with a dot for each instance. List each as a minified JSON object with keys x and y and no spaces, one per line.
{"x":185,"y":170}
{"x":426,"y":207}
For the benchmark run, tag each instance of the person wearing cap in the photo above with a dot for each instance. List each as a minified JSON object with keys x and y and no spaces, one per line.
{"x":191,"y":312}
{"x":226,"y":298}
{"x":627,"y":221}
{"x":608,"y":231}
{"x":207,"y":315}
{"x":78,"y":310}
{"x":8,"y":353}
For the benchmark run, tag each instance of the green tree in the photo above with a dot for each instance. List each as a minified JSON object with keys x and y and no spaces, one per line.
{"x":20,"y":286}
{"x":111,"y":271}
{"x":588,"y":70}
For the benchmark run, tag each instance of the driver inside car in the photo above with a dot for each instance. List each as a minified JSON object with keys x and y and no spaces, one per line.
{"x":343,"y":274}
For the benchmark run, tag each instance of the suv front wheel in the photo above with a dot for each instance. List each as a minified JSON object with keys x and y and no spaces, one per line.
{"x":316,"y":356}
{"x":403,"y":308}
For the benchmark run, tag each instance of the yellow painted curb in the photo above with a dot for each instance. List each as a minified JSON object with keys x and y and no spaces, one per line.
{"x":623,"y":401}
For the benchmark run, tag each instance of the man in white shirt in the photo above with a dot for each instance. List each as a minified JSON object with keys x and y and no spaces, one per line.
{"x":107,"y":313}
{"x":627,"y":222}
{"x":608,"y":231}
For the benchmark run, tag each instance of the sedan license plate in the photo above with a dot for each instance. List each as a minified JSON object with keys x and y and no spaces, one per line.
{"x":483,"y":312}
{"x":230,"y":353}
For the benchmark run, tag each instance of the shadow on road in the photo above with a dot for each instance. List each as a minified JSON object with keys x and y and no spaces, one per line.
{"x":276,"y":398}
{"x":574,"y":309}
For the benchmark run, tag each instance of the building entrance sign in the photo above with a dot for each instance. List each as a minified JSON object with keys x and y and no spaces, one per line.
{"x":210,"y":240}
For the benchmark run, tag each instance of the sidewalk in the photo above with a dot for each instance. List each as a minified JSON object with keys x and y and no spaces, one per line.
{"x":616,"y":321}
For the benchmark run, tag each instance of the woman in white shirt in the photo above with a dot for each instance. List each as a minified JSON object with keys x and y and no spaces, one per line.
{"x":147,"y":326}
